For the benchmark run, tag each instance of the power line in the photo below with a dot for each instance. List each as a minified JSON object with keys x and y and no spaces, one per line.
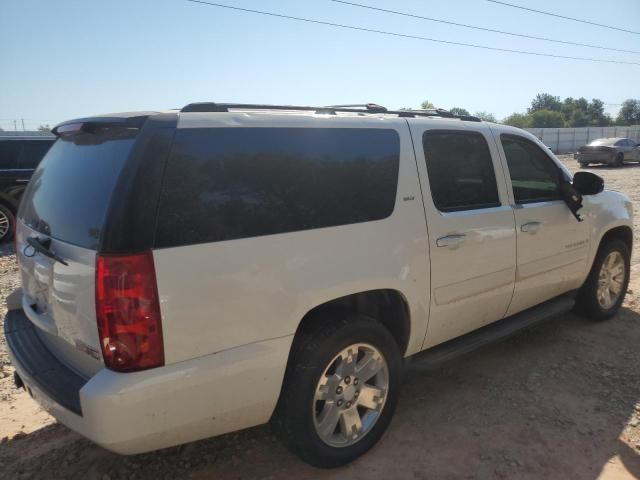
{"x":414,"y":37}
{"x":562,"y":16}
{"x":475,"y":27}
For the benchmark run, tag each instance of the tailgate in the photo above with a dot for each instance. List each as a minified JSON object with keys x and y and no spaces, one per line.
{"x":60,"y":300}
{"x":60,"y":223}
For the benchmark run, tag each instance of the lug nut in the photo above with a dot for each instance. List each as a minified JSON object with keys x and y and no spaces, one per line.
{"x":339,"y":403}
{"x":355,"y":381}
{"x":347,"y":380}
{"x":356,"y":393}
{"x":339,"y":390}
{"x":348,"y":404}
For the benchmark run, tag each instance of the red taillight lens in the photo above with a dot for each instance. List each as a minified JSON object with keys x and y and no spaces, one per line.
{"x":128,"y":312}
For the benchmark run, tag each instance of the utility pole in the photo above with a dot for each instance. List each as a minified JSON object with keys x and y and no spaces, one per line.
{"x":15,"y":128}
{"x":22,"y":124}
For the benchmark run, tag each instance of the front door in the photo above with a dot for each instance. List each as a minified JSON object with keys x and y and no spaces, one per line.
{"x":472,"y":244}
{"x":552,"y":244}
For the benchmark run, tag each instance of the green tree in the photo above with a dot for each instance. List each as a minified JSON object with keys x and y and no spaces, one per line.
{"x":427,"y":105}
{"x":486,"y":116}
{"x":597,"y":116}
{"x":459,"y":111}
{"x":520,"y":120}
{"x":578,"y":118}
{"x":547,"y":119}
{"x":629,"y":113}
{"x":44,"y":128}
{"x":545,"y":101}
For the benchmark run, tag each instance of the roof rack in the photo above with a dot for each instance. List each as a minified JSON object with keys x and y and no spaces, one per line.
{"x":361,"y":109}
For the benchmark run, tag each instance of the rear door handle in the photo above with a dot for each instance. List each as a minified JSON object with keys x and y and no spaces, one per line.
{"x":530,"y":227}
{"x":451,"y":241}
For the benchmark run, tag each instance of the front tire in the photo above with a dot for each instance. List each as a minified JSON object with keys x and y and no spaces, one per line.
{"x":602,"y":294}
{"x":7,"y":223}
{"x":340,"y":390}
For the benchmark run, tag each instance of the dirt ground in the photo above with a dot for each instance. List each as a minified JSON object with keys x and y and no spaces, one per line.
{"x":560,"y":401}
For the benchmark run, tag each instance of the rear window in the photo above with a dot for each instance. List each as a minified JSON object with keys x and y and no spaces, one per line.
{"x":460,"y":170}
{"x":69,"y":193}
{"x":229,"y":183}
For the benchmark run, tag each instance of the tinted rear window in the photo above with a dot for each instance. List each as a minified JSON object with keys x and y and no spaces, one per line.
{"x":69,"y":193}
{"x":229,"y":183}
{"x":460,"y":170}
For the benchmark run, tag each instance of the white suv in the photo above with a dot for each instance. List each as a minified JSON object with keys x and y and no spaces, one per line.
{"x":187,"y":274}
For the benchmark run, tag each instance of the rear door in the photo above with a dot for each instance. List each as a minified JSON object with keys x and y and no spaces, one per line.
{"x":472,"y":242}
{"x":64,"y":207}
{"x":552,"y":244}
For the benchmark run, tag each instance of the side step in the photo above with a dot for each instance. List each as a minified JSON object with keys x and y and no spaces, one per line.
{"x":445,"y":352}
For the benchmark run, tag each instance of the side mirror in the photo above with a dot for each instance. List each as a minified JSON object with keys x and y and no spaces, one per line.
{"x":587,"y":183}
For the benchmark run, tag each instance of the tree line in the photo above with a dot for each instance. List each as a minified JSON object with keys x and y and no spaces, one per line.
{"x":548,"y":111}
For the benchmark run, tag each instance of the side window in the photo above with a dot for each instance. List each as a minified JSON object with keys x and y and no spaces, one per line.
{"x":460,"y":170}
{"x":534,"y":175}
{"x":9,"y":153}
{"x":32,"y":153}
{"x":230,"y":183}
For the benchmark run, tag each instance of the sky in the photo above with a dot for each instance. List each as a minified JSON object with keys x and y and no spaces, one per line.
{"x":65,"y":59}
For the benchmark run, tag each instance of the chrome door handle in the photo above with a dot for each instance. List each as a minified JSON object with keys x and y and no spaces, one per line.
{"x":22,"y":180}
{"x":530,"y":227}
{"x":451,"y":241}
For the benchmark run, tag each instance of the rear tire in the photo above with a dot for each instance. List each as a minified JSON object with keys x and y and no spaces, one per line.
{"x":7,"y":223}
{"x":602,"y":294}
{"x":618,"y":160}
{"x":330,"y":410}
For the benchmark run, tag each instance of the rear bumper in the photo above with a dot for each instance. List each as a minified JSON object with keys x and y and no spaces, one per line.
{"x":137,"y":412}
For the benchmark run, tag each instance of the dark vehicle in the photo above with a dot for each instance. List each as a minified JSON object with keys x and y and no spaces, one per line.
{"x":19,"y":156}
{"x":609,"y":151}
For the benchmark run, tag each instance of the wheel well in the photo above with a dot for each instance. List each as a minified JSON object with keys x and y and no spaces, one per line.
{"x":389,"y":307}
{"x":623,"y":233}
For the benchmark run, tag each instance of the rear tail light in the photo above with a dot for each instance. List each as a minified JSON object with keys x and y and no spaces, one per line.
{"x":128,"y":312}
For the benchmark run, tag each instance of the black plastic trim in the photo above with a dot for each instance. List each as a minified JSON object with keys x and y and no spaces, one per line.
{"x":45,"y":371}
{"x":439,"y":355}
{"x":131,"y":219}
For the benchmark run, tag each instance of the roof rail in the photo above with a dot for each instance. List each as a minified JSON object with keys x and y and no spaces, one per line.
{"x":362,"y":109}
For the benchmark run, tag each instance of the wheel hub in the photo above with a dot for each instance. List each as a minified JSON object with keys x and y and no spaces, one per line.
{"x":610,"y":280}
{"x":350,"y":395}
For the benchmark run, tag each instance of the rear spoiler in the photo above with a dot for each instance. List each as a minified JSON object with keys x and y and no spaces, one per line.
{"x":93,"y":124}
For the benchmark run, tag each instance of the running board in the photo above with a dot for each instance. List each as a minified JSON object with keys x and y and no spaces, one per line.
{"x":445,"y":352}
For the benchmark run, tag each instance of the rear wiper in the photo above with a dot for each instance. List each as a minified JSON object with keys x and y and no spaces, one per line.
{"x":43,"y":247}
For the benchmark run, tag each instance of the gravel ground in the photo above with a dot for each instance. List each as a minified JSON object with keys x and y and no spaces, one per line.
{"x":559,"y":401}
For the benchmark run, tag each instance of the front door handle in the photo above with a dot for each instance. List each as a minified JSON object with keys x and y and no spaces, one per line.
{"x":530,"y":227}
{"x":451,"y":241}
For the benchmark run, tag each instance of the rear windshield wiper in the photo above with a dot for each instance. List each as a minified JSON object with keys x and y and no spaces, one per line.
{"x":43,"y":247}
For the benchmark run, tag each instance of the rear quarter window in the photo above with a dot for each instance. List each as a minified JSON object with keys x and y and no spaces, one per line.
{"x":229,"y":183}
